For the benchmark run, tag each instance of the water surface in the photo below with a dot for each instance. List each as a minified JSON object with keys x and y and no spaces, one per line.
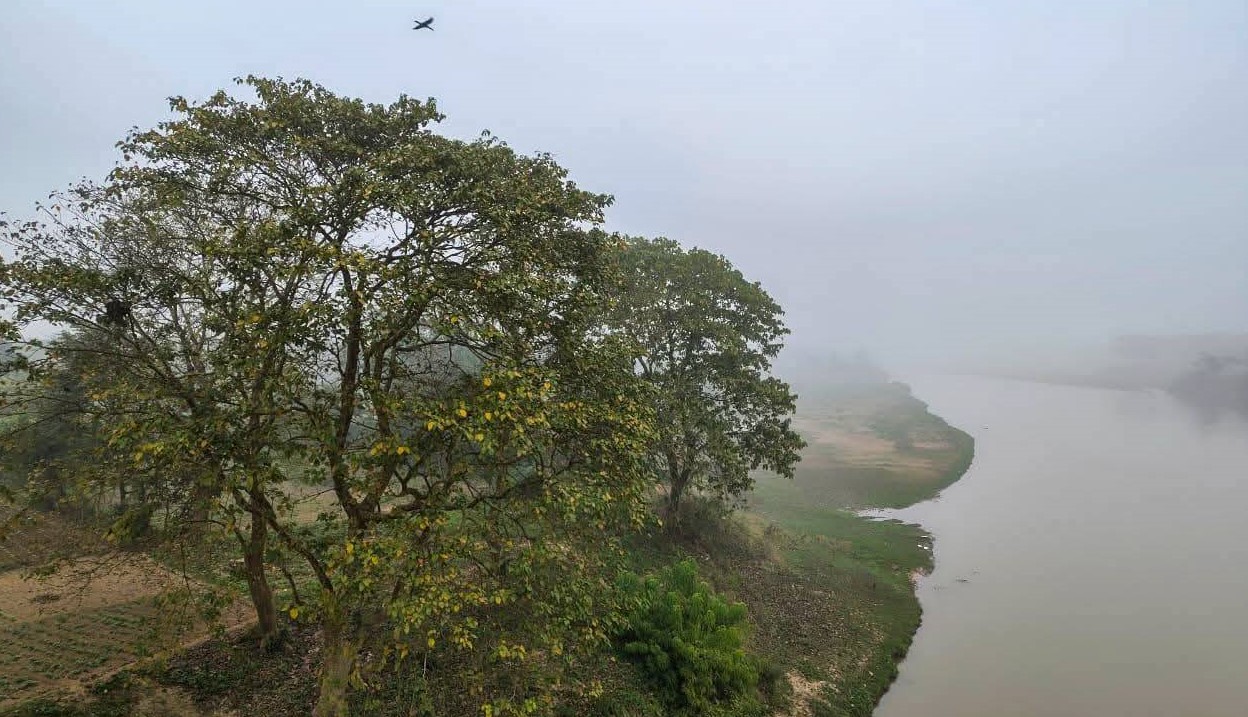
{"x":1093,"y":561}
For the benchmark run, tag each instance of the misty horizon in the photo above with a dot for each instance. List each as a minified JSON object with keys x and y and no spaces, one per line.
{"x":923,"y":182}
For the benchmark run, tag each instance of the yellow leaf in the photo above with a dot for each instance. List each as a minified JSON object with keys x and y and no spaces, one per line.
{"x":294,"y":613}
{"x":432,"y":642}
{"x":401,"y":450}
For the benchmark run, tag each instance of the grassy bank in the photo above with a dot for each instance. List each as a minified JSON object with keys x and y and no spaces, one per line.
{"x":869,"y":447}
{"x":856,"y":609}
{"x":830,"y":601}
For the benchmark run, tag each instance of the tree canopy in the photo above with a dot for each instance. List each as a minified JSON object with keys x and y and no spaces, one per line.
{"x":707,"y":337}
{"x":307,"y":288}
{"x":292,"y":292}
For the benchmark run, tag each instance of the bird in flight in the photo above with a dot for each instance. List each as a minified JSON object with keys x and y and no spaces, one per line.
{"x":424,"y":25}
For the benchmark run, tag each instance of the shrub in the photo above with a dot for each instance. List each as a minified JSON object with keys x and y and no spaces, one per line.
{"x":688,"y":641}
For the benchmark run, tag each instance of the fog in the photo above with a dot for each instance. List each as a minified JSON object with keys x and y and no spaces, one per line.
{"x":948,"y":182}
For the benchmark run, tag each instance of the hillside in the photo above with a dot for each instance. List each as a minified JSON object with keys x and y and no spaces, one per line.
{"x":829,"y":595}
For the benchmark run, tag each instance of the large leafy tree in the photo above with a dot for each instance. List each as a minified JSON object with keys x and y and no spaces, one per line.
{"x":308,"y":288}
{"x":707,"y":337}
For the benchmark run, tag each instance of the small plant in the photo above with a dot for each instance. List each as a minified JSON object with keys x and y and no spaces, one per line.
{"x":625,"y":703}
{"x":688,"y":641}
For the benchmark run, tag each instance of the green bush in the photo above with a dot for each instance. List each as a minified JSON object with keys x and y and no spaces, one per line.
{"x":688,"y":641}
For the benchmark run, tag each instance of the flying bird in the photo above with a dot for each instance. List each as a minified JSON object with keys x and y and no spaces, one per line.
{"x":425,"y":25}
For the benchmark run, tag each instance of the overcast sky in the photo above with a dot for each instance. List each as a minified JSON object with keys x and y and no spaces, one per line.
{"x":920,"y":179}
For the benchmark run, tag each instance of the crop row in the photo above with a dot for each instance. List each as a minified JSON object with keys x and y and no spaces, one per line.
{"x":68,"y":645}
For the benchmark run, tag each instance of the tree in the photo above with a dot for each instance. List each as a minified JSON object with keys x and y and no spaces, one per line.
{"x":49,"y":444}
{"x":304,"y":287}
{"x":707,"y":337}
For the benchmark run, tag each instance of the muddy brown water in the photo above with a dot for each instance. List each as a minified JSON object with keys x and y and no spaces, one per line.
{"x":1093,"y":561}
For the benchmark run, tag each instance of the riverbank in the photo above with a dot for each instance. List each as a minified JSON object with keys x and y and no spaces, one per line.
{"x":830,"y":600}
{"x":852,"y":609}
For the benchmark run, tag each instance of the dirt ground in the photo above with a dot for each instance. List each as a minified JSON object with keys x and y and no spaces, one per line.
{"x":86,"y":584}
{"x":804,"y":693}
{"x":853,"y":445}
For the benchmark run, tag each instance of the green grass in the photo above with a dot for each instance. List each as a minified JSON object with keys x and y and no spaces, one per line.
{"x":889,"y":412}
{"x":837,"y":605}
{"x":840,"y":606}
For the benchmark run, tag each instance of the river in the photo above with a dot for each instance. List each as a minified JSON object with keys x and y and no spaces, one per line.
{"x":1093,"y":561}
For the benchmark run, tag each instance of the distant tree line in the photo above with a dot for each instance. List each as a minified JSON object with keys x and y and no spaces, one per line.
{"x":1216,"y":384}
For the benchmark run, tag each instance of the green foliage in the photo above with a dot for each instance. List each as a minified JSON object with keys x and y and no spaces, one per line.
{"x":706,"y":338}
{"x":43,"y":440}
{"x":414,"y":320}
{"x":688,"y":640}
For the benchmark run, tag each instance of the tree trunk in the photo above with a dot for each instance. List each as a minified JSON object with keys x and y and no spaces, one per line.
{"x":337,"y":664}
{"x":202,"y":494}
{"x":258,"y":583}
{"x":679,"y":480}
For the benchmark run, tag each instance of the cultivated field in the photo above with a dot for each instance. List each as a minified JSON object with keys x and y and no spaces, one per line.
{"x":99,"y":611}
